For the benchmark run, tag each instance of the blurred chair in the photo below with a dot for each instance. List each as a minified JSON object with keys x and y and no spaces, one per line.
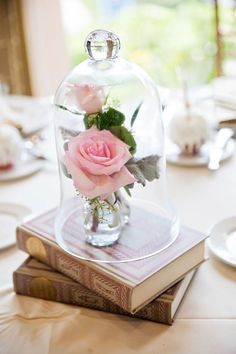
{"x":33,"y":53}
{"x":225,"y":35}
{"x":13,"y":61}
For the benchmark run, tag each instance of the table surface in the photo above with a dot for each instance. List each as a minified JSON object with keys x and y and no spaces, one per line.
{"x":206,"y":319}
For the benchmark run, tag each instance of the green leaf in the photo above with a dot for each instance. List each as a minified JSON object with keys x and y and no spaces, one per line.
{"x":67,"y":109}
{"x":148,"y":166}
{"x":86,"y":122}
{"x":144,"y":169}
{"x":109,"y":118}
{"x":126,"y":188}
{"x":104,"y":120}
{"x":133,"y":168}
{"x":124,"y":134}
{"x":64,"y":170}
{"x":90,"y":120}
{"x":134,"y":116}
{"x":65,"y":145}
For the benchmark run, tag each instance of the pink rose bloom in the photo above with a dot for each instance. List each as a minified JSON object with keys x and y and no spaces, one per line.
{"x":88,"y":98}
{"x":95,"y":159}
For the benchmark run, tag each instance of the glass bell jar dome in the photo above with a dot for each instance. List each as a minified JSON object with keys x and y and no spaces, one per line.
{"x":110,"y":145}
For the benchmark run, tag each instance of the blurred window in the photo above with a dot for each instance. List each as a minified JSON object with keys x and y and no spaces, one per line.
{"x":159,"y":35}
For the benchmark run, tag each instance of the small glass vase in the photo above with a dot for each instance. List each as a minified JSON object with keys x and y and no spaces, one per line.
{"x":103,"y":221}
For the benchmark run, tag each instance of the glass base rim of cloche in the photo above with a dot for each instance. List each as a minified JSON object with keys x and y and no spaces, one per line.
{"x":101,"y":253}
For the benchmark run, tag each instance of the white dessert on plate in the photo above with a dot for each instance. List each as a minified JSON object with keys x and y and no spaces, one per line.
{"x":189,"y":130}
{"x":11,"y":146}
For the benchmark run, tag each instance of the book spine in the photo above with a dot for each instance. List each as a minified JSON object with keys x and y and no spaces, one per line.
{"x":48,"y":288}
{"x":94,"y":279}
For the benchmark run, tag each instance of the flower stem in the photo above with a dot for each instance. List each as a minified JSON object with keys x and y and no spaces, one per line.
{"x":94,"y":224}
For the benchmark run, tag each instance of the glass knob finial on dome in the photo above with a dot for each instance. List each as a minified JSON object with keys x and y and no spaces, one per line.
{"x":101,"y":44}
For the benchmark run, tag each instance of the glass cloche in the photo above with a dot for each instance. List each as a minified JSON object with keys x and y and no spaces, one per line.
{"x":110,"y":146}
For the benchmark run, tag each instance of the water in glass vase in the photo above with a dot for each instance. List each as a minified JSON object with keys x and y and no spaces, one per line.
{"x":124,"y":208}
{"x":102,"y":221}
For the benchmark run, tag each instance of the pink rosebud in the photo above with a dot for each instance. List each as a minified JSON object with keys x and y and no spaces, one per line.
{"x":95,"y":159}
{"x":88,"y":98}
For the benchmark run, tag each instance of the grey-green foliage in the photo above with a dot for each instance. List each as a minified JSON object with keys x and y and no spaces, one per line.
{"x":135,"y":114}
{"x":145,"y":169}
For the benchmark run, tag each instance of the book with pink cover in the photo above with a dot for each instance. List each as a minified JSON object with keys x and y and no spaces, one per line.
{"x":38,"y":280}
{"x":130,"y":285}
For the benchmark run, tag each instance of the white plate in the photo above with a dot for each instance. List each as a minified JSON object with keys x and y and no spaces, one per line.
{"x":222,"y":241}
{"x":10,"y":216}
{"x":32,"y":113}
{"x":175,"y":157}
{"x":23,"y":169}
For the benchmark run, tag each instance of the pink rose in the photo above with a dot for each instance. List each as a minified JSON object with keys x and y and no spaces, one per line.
{"x":95,"y":159}
{"x":88,"y":98}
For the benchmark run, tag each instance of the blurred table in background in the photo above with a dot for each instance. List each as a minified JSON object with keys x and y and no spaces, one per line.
{"x":206,"y":320}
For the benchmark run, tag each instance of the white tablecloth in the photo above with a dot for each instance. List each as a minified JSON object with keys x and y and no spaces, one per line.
{"x":205,"y":322}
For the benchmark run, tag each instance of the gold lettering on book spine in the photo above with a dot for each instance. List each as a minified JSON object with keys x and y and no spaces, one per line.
{"x":43,"y":288}
{"x":36,"y":249}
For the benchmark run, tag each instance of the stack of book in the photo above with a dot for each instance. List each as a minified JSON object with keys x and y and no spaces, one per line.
{"x":150,"y":289}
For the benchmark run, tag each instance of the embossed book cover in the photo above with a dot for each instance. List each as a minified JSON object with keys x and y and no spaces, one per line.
{"x":131,"y":285}
{"x":38,"y":280}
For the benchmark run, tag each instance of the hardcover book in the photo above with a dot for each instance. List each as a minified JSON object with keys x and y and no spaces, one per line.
{"x":38,"y":280}
{"x":130,"y":285}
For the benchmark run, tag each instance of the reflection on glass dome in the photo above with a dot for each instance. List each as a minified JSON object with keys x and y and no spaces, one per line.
{"x":110,"y":147}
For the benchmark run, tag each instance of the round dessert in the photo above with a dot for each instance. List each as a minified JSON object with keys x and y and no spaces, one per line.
{"x":11,"y":146}
{"x":189,"y":130}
